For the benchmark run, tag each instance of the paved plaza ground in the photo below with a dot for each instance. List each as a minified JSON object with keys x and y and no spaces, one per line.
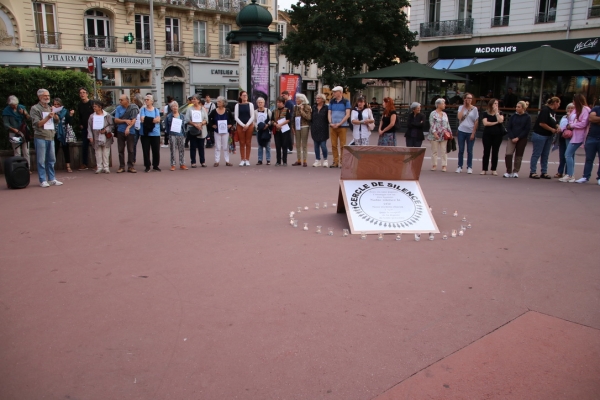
{"x":193,"y":285}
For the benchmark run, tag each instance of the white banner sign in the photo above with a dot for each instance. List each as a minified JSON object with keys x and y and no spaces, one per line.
{"x":387,"y":207}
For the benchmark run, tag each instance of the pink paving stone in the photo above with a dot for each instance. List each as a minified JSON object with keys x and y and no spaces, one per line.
{"x":536,"y":356}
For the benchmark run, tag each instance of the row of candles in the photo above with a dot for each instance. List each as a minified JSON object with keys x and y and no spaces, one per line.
{"x":363,"y":235}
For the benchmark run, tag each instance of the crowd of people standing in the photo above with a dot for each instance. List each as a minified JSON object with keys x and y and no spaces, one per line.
{"x":293,"y":121}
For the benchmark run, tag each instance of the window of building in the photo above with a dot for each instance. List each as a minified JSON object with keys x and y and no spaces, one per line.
{"x":434,"y":10}
{"x":172,"y":35}
{"x":594,"y":10}
{"x":281,"y":29}
{"x":465,"y":9}
{"x":501,"y":12}
{"x":546,"y":12}
{"x":45,"y":25}
{"x":142,"y":33}
{"x":97,"y":31}
{"x":224,"y":48}
{"x":200,"y":46}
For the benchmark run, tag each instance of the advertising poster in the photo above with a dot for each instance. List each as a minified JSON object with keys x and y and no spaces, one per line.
{"x":292,"y":83}
{"x":259,"y":72}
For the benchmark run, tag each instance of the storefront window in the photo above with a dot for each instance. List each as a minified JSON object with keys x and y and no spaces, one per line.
{"x":460,"y":63}
{"x":442,"y":64}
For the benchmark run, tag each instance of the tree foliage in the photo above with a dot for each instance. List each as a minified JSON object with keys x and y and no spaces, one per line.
{"x":343,"y":35}
{"x":25,"y":82}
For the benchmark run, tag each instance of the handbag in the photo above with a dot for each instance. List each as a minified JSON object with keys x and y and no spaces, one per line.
{"x":70,"y":134}
{"x":567,"y":134}
{"x":451,"y":145}
{"x":446,"y":134}
{"x":26,"y":131}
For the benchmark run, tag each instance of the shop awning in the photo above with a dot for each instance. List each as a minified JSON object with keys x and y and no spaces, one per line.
{"x":409,"y":71}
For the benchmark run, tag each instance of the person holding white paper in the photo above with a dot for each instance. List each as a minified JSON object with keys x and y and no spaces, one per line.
{"x":196,"y":120}
{"x":175,"y":131}
{"x":221,"y":121}
{"x":281,"y":119}
{"x":41,"y":115}
{"x":302,"y":116}
{"x":100,"y":135}
{"x":361,"y":117}
{"x":65,"y":117}
{"x":263,"y":117}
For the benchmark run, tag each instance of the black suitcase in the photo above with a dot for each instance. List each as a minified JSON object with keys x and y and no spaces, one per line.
{"x":16,"y":172}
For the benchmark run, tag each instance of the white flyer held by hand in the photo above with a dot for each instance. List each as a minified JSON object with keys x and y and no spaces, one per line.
{"x":262,"y":117}
{"x":98,"y":122}
{"x":222,"y":127}
{"x":176,"y":125}
{"x":298,"y":123}
{"x":50,"y":123}
{"x":196,"y":116}
{"x":137,"y":122}
{"x":285,"y":128}
{"x":57,"y":109}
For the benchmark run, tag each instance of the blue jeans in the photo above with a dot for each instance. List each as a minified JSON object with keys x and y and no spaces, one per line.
{"x":267,"y":148}
{"x":462,"y":138}
{"x":541,"y":148}
{"x":592,"y":148}
{"x":570,"y":157}
{"x":85,"y":145}
{"x":44,"y":151}
{"x":320,"y":147}
{"x":562,"y":148}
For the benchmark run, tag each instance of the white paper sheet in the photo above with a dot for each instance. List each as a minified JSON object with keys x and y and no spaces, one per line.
{"x":57,"y":109}
{"x":222,"y":127}
{"x":298,"y":123}
{"x":176,"y":125}
{"x":137,"y":122}
{"x":262,"y":117}
{"x":50,"y":123}
{"x":285,"y":128}
{"x":196,"y":116}
{"x":98,"y":122}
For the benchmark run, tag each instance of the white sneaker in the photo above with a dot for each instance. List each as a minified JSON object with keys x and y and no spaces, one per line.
{"x":107,"y":171}
{"x":98,"y":171}
{"x":458,"y":170}
{"x":325,"y":164}
{"x":507,"y":175}
{"x":55,"y":183}
{"x":572,"y":180}
{"x":165,"y":146}
{"x":247,"y":163}
{"x":44,"y":184}
{"x":317,"y":163}
{"x":565,"y":178}
{"x":582,"y":180}
{"x":515,"y":175}
{"x":469,"y":170}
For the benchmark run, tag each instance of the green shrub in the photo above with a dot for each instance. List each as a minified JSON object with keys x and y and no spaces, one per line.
{"x":25,"y":82}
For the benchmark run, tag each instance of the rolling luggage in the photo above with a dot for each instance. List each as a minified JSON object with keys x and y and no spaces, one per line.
{"x":16,"y":172}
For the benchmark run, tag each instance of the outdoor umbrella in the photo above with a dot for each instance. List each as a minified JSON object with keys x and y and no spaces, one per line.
{"x":409,"y":71}
{"x":542,"y":59}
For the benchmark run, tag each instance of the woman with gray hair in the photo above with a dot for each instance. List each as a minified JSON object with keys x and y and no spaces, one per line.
{"x":414,"y":132}
{"x":221,"y":121}
{"x":302,"y":116}
{"x":13,"y":116}
{"x":319,"y":130}
{"x":439,"y":134}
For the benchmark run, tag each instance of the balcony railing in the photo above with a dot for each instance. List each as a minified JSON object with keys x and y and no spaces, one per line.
{"x":232,"y":6}
{"x":174,"y":48}
{"x":48,"y":39}
{"x":226,"y":52}
{"x":500,"y":21}
{"x":543,"y":18}
{"x":202,"y":50}
{"x":99,"y":43}
{"x":447,"y":28}
{"x":142,"y":45}
{"x":594,"y":12}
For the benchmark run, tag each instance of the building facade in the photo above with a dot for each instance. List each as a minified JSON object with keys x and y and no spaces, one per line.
{"x":191,"y":51}
{"x":458,"y":33}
